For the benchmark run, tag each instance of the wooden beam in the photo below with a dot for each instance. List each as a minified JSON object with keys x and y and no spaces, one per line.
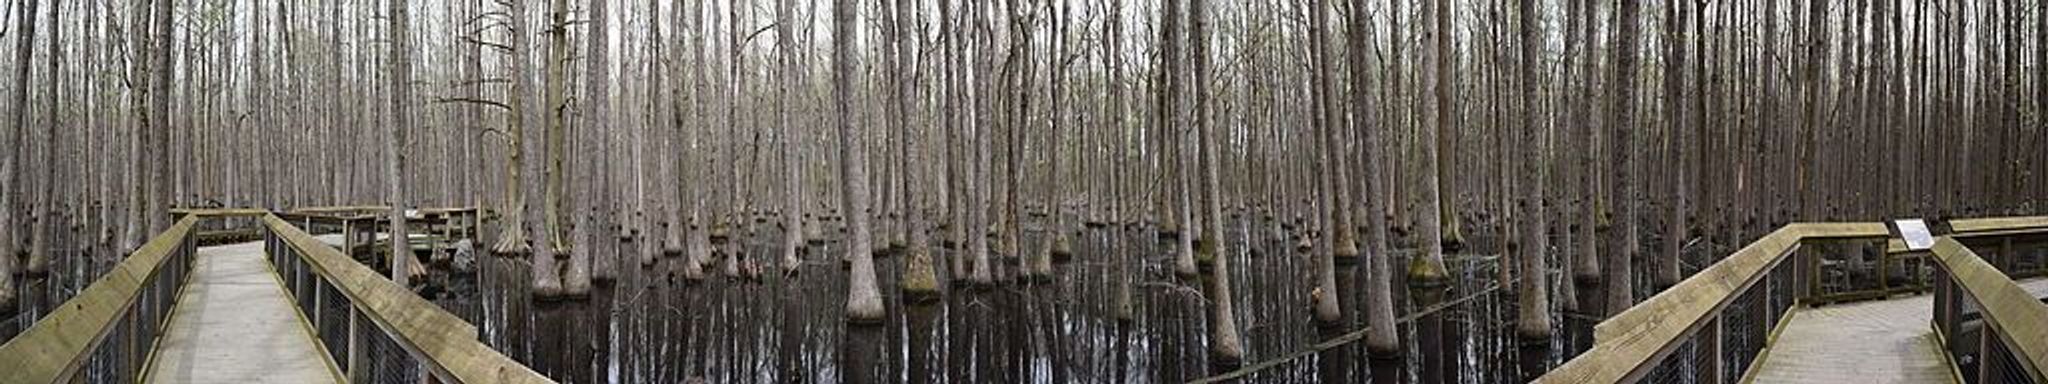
{"x":2020,"y":319}
{"x":447,"y":344}
{"x":1628,"y":344}
{"x":58,"y":345}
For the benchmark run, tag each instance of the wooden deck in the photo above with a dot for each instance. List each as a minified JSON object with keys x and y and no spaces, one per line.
{"x":234,"y":324}
{"x":1872,"y":342}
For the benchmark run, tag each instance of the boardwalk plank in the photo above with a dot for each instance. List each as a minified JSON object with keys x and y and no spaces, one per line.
{"x":1873,"y":342}
{"x":234,"y":324}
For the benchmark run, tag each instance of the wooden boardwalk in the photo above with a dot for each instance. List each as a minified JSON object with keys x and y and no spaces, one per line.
{"x":1872,"y":342}
{"x":234,"y":324}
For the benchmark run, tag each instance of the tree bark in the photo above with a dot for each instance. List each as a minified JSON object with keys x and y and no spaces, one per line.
{"x":402,"y":263}
{"x":863,"y":300}
{"x":45,"y":211}
{"x":1534,"y":301}
{"x":512,"y":240}
{"x":594,"y":250}
{"x":1380,"y":338}
{"x":548,"y":279}
{"x":978,"y":177}
{"x":1112,"y":46}
{"x":1620,"y":284}
{"x":1167,"y":122}
{"x":1336,"y":213}
{"x":1428,"y":270}
{"x":13,"y":138}
{"x":920,"y":278}
{"x":1225,"y":346}
{"x":1674,"y":81}
{"x":792,"y":180}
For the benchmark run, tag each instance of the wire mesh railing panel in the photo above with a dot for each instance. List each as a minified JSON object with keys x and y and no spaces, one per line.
{"x":334,"y":311}
{"x":1744,"y":325}
{"x":1944,"y":303}
{"x":1966,"y":334}
{"x":1781,"y":285}
{"x":1680,"y":367}
{"x":384,"y":361}
{"x":2000,"y":364}
{"x":121,"y":356}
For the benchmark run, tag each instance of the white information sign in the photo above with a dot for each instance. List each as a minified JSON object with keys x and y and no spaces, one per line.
{"x":1914,"y":231}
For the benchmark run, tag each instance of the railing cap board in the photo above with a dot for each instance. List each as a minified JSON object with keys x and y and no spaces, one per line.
{"x":446,"y":342}
{"x":341,"y":208}
{"x":378,"y":210}
{"x":1987,"y":224}
{"x":2001,"y":233}
{"x":1651,"y":329}
{"x":220,"y":212}
{"x":2020,"y":318}
{"x":1896,"y":246}
{"x":56,"y":346}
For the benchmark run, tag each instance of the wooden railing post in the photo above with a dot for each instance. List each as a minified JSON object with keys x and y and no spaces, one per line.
{"x":348,"y":237}
{"x":1804,"y":274}
{"x":1763,"y":307}
{"x":1713,"y":350}
{"x":2004,"y":260}
{"x":1884,"y":272}
{"x":355,"y":347}
{"x":1986,"y":364}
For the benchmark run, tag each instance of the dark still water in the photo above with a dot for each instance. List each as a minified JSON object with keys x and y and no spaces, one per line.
{"x":650,"y":326}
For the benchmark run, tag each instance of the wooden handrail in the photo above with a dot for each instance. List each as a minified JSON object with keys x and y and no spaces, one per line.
{"x":1626,"y":345}
{"x":1996,"y":224}
{"x":219,"y":212}
{"x":58,"y":345}
{"x":447,"y":344}
{"x":341,"y":209}
{"x":2021,"y":320}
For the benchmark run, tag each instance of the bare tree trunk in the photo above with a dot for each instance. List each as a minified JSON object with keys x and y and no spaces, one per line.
{"x":1586,"y":259}
{"x":156,"y":210}
{"x":863,"y":299}
{"x":1380,"y":337}
{"x":576,"y":278}
{"x":1534,"y":303}
{"x":957,"y":166}
{"x":792,"y":137}
{"x":512,"y":240}
{"x":597,"y":257}
{"x":667,"y":116}
{"x":1112,"y":46}
{"x":131,"y":229}
{"x":1673,"y":78}
{"x":1016,"y":75}
{"x":919,"y":278}
{"x":402,"y":263}
{"x":1225,"y":345}
{"x":1168,"y":121}
{"x":978,"y":177}
{"x":734,"y":211}
{"x":1428,"y":270}
{"x":547,"y":274}
{"x":1039,"y":266}
{"x":45,"y":210}
{"x":1809,"y":194}
{"x":697,"y":247}
{"x":14,"y":138}
{"x":1326,"y":298}
{"x":1620,"y":284}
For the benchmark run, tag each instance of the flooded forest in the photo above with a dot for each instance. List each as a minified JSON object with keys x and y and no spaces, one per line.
{"x":1012,"y":191}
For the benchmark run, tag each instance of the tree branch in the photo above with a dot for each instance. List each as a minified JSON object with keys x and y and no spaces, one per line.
{"x":499,"y":47}
{"x":493,"y":103}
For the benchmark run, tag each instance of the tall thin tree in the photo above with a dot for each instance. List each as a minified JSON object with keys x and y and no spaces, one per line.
{"x":863,"y":299}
